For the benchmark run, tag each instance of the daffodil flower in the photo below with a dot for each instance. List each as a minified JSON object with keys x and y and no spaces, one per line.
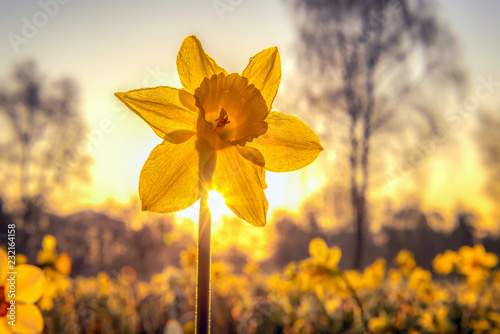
{"x":28,"y":288}
{"x":218,"y":133}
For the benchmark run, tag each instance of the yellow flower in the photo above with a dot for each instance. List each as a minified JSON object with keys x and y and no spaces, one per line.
{"x":332,"y":304}
{"x":476,"y":259}
{"x":46,"y":303}
{"x":18,"y":292}
{"x":480,"y":326}
{"x":21,"y":259}
{"x":468,"y":299}
{"x":322,"y":255}
{"x":320,"y":267}
{"x":220,"y":269}
{"x":405,"y":261}
{"x":252,"y":269}
{"x":394,"y":276}
{"x":219,"y":132}
{"x":494,"y":316}
{"x":419,"y":278}
{"x":48,"y":254}
{"x":188,"y":257}
{"x":443,"y":321}
{"x":445,"y":263}
{"x":188,"y":327}
{"x":379,"y":324}
{"x":374,"y":274}
{"x":437,"y":321}
{"x":354,"y":278}
{"x":63,"y":264}
{"x":427,"y":320}
{"x":290,"y":270}
{"x":475,"y":263}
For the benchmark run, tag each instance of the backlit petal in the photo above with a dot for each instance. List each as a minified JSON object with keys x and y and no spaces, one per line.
{"x":288,"y":145}
{"x":30,"y":283}
{"x":264,"y":72}
{"x":169,"y":180}
{"x":239,"y":182}
{"x":318,"y":249}
{"x":29,"y":320}
{"x":170,"y":112}
{"x":4,"y":326}
{"x":194,"y":65}
{"x":334,"y":256}
{"x":253,"y":155}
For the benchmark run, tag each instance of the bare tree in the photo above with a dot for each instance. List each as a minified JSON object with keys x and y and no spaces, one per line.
{"x":383,"y":71}
{"x":488,"y":140}
{"x":41,"y":137}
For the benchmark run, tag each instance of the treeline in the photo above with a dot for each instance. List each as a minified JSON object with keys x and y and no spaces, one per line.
{"x":96,"y":242}
{"x":421,"y":239}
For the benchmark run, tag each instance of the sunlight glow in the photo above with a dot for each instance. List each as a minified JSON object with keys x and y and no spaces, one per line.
{"x":217,"y":206}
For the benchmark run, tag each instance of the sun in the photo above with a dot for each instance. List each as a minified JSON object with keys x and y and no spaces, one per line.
{"x":217,"y":206}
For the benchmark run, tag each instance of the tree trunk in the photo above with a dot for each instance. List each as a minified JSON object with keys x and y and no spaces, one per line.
{"x":360,"y":223}
{"x":357,"y":198}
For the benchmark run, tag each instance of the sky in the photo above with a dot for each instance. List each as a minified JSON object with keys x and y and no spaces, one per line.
{"x":476,"y":26}
{"x":460,"y":181}
{"x":121,"y":45}
{"x":112,"y":46}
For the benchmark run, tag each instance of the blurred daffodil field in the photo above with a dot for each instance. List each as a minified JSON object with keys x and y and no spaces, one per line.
{"x":461,"y":294}
{"x":254,"y":167}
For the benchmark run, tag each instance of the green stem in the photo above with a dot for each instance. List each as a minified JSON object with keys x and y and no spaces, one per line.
{"x":202,"y":317}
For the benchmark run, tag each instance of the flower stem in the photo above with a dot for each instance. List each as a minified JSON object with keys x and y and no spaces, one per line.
{"x":358,"y":301}
{"x":203,"y":272}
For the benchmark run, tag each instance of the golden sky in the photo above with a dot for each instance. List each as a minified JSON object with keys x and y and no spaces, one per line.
{"x":120,"y":45}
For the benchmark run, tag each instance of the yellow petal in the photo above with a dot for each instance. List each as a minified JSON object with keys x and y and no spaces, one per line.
{"x":264,"y":72}
{"x":63,"y":264}
{"x":253,"y":155}
{"x":4,"y":326}
{"x":490,"y":260}
{"x":288,"y":145}
{"x":170,"y":112}
{"x":318,"y":249}
{"x":30,"y":283}
{"x":29,"y":320}
{"x":334,"y":256}
{"x":169,"y":179}
{"x":3,"y":265}
{"x":49,"y":242}
{"x":239,"y":182}
{"x":193,"y":64}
